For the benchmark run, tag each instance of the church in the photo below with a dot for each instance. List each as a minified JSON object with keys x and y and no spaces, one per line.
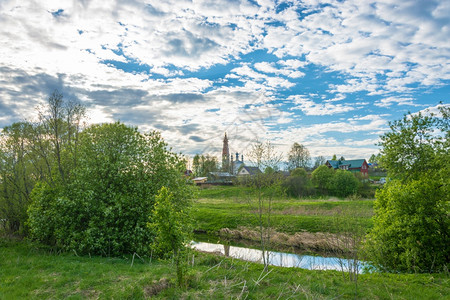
{"x":229,"y":164}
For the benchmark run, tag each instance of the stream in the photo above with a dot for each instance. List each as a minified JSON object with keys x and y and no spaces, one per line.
{"x":280,"y":259}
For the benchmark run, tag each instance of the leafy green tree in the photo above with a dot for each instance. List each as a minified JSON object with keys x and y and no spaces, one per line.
{"x":298,"y":183}
{"x":105,"y":206}
{"x":334,"y":157}
{"x":44,"y":150}
{"x":204,"y":164}
{"x":298,"y":157}
{"x":411,"y":224}
{"x":375,"y":159}
{"x":322,"y":178}
{"x":196,"y":165}
{"x":173,"y":229}
{"x":344,"y":183}
{"x":16,"y":175}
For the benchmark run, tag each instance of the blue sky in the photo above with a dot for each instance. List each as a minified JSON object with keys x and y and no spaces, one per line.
{"x":327,"y":74}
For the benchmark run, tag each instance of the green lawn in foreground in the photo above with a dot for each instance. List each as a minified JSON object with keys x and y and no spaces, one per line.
{"x":28,"y":272}
{"x":232,"y":207}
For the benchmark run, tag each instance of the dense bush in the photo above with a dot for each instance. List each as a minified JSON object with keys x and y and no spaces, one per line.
{"x":411,"y":227}
{"x":105,"y":207}
{"x":344,"y":183}
{"x":411,"y":223}
{"x":298,"y":183}
{"x":322,"y":178}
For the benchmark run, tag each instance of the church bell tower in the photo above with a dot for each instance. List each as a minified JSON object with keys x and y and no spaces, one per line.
{"x":225,"y":155}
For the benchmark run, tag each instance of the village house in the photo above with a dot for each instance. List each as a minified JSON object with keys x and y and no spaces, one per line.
{"x":249,"y":171}
{"x":355,"y":165}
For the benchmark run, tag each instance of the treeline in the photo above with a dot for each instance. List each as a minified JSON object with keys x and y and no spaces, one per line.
{"x":323,"y":181}
{"x":89,"y":189}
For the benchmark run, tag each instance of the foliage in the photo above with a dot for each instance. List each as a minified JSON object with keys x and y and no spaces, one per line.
{"x":44,"y":150}
{"x":298,"y":183}
{"x":375,"y":159}
{"x":344,"y":183}
{"x":416,"y":145}
{"x":204,"y":164}
{"x":319,"y":161}
{"x":171,"y":224}
{"x":16,"y":175}
{"x":105,"y":207}
{"x":411,"y":225}
{"x":298,"y":157}
{"x":322,"y":178}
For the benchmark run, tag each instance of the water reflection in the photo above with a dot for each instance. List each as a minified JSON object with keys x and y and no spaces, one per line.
{"x":281,"y":259}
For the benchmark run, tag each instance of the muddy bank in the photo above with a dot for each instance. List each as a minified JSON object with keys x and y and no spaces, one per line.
{"x":302,"y":241}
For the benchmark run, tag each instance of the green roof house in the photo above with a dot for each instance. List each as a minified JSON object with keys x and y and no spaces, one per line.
{"x":354,"y":165}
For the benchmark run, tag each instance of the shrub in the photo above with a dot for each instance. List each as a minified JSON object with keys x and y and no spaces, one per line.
{"x":105,"y":208}
{"x":322,"y":178}
{"x":411,"y":224}
{"x":344,"y":183}
{"x":298,"y":183}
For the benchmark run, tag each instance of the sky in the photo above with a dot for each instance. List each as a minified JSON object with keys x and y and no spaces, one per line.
{"x":326,"y":74}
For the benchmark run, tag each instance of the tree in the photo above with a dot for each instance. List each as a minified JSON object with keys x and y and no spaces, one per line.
{"x":173,"y":229}
{"x":105,"y":206}
{"x":298,"y":157}
{"x":334,"y":157}
{"x":44,"y":150}
{"x":411,"y":224}
{"x":415,"y":145}
{"x":16,"y":175}
{"x":204,"y":164}
{"x":319,"y":161}
{"x":344,"y":183}
{"x":375,"y":159}
{"x":322,"y":178}
{"x":342,"y":158}
{"x":56,"y":135}
{"x":298,"y":183}
{"x":267,"y":185}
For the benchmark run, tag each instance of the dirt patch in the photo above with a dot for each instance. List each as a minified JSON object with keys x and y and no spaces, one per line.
{"x":307,"y":241}
{"x":156,"y":287}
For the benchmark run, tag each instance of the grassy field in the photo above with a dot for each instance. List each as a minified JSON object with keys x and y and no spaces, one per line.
{"x":234,"y":207}
{"x":28,"y":271}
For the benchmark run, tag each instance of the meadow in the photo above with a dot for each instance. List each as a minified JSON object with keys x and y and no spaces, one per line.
{"x":235,"y":207}
{"x":30,"y":271}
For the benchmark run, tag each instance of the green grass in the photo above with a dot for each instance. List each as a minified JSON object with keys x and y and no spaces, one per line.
{"x":233,"y":207}
{"x":28,"y":271}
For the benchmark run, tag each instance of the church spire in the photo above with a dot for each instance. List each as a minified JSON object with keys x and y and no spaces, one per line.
{"x":225,"y":154}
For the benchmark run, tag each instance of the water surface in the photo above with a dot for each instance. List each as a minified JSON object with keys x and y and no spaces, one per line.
{"x":280,"y":259}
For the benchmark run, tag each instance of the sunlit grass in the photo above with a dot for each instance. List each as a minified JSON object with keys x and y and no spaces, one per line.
{"x":28,"y":271}
{"x":234,"y":207}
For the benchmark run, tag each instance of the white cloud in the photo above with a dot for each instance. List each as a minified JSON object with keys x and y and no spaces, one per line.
{"x":389,"y":101}
{"x":311,"y":108}
{"x":386,"y":49}
{"x":259,"y":80}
